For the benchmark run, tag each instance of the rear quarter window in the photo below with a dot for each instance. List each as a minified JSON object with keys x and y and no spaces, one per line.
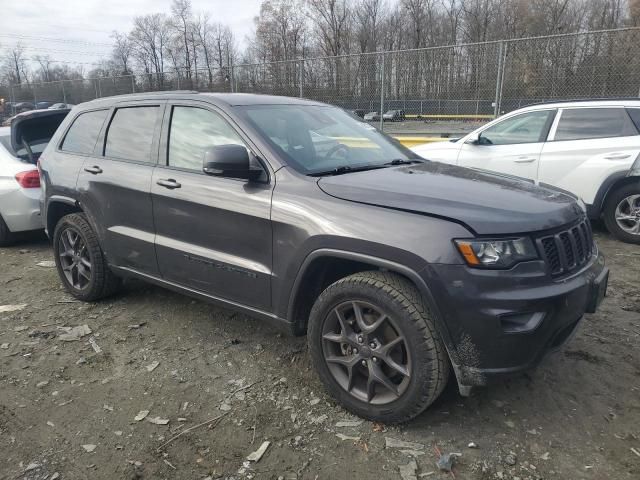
{"x":83,"y":133}
{"x":634,"y":113}
{"x":587,"y":123}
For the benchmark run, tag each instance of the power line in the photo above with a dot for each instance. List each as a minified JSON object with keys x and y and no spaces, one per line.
{"x":54,"y":39}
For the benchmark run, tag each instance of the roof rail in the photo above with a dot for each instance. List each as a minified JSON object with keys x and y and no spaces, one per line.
{"x":581,"y":100}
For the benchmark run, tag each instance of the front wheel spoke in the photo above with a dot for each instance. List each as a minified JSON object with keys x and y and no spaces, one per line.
{"x":75,"y":277}
{"x":344,"y":325}
{"x":386,"y":349}
{"x":375,"y":325}
{"x":334,"y":337}
{"x":66,"y":253}
{"x":378,"y":376}
{"x":86,"y":263}
{"x":347,"y":362}
{"x":401,"y":369}
{"x":626,"y":217}
{"x":357,"y":311}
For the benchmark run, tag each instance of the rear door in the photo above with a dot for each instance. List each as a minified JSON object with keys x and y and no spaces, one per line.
{"x":115,"y":185}
{"x":585,"y":146}
{"x":511,"y":146}
{"x":213,"y":233}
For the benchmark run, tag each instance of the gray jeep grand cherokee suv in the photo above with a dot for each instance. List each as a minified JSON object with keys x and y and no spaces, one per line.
{"x":400,"y":270}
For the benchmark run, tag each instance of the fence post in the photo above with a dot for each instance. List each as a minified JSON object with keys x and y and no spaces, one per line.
{"x":133,"y":84}
{"x":64,"y":94}
{"x":496,"y":105}
{"x":382,"y":93}
{"x":231,"y":79}
{"x":12,"y":95}
{"x":301,"y":75}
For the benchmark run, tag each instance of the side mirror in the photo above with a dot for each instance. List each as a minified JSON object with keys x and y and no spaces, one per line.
{"x":473,"y":139}
{"x":231,"y":161}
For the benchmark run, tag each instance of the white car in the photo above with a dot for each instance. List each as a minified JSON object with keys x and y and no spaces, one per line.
{"x":589,"y":148}
{"x":20,"y":147}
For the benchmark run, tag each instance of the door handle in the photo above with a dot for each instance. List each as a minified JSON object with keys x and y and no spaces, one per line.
{"x":617,"y":156}
{"x":169,"y":183}
{"x":525,"y":159}
{"x":95,"y":170}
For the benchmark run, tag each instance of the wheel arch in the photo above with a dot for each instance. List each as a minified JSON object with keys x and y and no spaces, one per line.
{"x":58,"y":207}
{"x":612,"y":183}
{"x":313,"y":278}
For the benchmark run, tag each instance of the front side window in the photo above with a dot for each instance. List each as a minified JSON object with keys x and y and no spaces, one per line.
{"x":317,"y":138}
{"x":525,"y":128}
{"x":194,"y":130}
{"x":130,"y":133}
{"x":83,"y":134}
{"x":586,"y":123}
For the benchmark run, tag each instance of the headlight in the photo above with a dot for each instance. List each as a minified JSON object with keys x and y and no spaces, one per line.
{"x":496,"y":253}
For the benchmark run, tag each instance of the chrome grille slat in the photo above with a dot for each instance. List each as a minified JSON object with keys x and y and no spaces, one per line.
{"x":567,"y":250}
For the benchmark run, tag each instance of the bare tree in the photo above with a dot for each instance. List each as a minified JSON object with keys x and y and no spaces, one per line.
{"x":122,"y":51}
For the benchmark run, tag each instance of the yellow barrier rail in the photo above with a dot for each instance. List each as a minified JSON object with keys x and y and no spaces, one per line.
{"x":413,"y":141}
{"x":451,"y":117}
{"x":407,"y":141}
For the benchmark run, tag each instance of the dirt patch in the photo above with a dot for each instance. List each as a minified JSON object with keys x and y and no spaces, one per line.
{"x":231,"y":383}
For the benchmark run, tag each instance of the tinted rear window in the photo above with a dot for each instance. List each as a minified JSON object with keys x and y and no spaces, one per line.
{"x":130,"y":134}
{"x":585,"y":123}
{"x":83,"y":134}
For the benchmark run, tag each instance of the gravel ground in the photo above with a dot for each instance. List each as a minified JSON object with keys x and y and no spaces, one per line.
{"x":227,"y":383}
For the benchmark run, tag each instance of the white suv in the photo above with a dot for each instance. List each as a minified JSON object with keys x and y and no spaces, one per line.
{"x":589,"y":148}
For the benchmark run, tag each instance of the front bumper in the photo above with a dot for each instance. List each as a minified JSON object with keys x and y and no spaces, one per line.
{"x":502,"y":322}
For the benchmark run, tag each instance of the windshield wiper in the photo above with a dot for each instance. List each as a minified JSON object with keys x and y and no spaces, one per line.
{"x":400,"y":161}
{"x":346,"y":169}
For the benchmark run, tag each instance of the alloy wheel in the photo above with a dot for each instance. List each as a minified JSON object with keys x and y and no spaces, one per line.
{"x":74,"y":259}
{"x":627,"y":214}
{"x":366,"y":352}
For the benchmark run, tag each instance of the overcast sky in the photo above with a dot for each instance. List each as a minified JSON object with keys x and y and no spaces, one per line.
{"x":77,"y":25}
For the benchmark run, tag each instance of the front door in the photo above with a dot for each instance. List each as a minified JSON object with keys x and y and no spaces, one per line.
{"x":213,"y":234}
{"x":511,"y":146}
{"x":115,"y":186}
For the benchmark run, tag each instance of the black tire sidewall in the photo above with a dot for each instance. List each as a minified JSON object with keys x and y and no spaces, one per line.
{"x":414,"y":399}
{"x":610,"y":210}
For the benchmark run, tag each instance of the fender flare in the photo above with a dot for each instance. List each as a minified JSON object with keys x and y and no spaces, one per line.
{"x":391,"y":266}
{"x":607,"y":186}
{"x":72,"y":202}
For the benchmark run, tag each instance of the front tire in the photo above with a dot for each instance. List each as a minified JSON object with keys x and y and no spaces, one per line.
{"x":374,"y":344}
{"x":81,"y":263}
{"x":622,"y":213}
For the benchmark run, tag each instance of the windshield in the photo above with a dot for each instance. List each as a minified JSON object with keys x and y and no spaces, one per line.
{"x":315,"y":139}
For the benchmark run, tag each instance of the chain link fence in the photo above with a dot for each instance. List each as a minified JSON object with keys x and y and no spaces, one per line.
{"x":459,"y":82}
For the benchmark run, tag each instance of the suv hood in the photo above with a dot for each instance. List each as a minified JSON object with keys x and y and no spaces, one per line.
{"x":486,"y":203}
{"x":35,"y":125}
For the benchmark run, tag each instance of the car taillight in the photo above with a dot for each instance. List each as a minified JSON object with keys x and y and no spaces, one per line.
{"x":30,"y":179}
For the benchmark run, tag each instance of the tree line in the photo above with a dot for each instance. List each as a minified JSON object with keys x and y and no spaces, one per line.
{"x":199,"y":50}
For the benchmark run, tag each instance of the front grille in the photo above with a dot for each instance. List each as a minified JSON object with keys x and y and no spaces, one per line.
{"x":567,"y":250}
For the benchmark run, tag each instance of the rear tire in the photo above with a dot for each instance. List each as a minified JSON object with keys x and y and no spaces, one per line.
{"x":6,"y":237}
{"x":81,"y":264}
{"x":623,"y":202}
{"x":374,"y":328}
